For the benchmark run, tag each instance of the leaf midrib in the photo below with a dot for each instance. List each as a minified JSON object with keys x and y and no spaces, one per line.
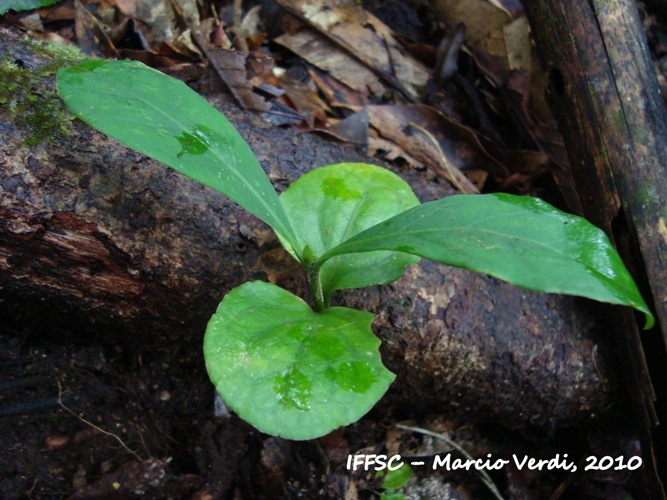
{"x":285,"y":228}
{"x":340,"y":250}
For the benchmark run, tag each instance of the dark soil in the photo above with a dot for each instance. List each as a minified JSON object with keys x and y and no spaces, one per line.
{"x":86,"y":417}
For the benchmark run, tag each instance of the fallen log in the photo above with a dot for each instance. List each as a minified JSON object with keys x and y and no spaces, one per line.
{"x":130,"y":246}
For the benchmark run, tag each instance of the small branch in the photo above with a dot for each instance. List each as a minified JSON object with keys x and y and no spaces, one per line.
{"x":486,"y":479}
{"x":102,"y":431}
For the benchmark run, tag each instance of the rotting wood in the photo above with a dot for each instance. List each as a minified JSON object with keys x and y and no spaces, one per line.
{"x":124,"y":242}
{"x":605,"y":93}
{"x":606,"y":99}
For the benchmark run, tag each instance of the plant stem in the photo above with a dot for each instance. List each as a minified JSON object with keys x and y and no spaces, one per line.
{"x":316,"y":289}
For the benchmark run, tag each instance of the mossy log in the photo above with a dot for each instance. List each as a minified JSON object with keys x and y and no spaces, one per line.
{"x":127,"y":247}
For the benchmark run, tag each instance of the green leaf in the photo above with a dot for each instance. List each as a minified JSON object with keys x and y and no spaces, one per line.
{"x":522,"y":240}
{"x":331,"y":204}
{"x":20,"y":5}
{"x":392,"y":495}
{"x":289,"y":371}
{"x":397,"y":478}
{"x":163,"y":118}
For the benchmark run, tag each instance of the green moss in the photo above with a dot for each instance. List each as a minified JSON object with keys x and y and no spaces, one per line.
{"x":619,"y":118}
{"x":549,"y":24}
{"x":25,"y":95}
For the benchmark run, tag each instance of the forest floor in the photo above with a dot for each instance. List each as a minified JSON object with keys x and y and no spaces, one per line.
{"x":84,"y":416}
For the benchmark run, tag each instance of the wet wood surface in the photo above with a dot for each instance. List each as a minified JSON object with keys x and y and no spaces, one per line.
{"x":605,"y":96}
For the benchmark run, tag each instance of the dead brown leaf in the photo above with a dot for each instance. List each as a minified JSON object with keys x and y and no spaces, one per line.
{"x":127,"y":7}
{"x":455,"y":148}
{"x":324,"y":54}
{"x":60,"y":12}
{"x":390,"y":151}
{"x":352,"y":129}
{"x":513,"y":8}
{"x":336,"y":93}
{"x":305,"y":100}
{"x":484,"y":22}
{"x":90,"y":36}
{"x":365,"y":38}
{"x":230,"y":65}
{"x":159,"y":18}
{"x":518,"y":45}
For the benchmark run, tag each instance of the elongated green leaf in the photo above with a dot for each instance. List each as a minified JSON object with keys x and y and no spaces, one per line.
{"x":289,"y":371}
{"x":522,"y":240}
{"x":331,"y":204}
{"x":166,"y":120}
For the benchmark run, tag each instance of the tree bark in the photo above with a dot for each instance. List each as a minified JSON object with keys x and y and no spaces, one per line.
{"x":610,"y":111}
{"x":605,"y":97}
{"x":137,"y":250}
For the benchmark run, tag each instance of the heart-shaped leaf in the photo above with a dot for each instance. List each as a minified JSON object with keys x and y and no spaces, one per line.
{"x":290,"y":371}
{"x":396,"y":478}
{"x":163,"y":118}
{"x":331,"y":204}
{"x":519,"y":239}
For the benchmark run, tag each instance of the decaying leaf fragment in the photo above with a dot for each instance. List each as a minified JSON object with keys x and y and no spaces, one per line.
{"x":230,"y":65}
{"x":92,"y":39}
{"x":487,"y":35}
{"x":455,"y":147}
{"x":338,"y":94}
{"x":325,"y":55}
{"x":306,"y":101}
{"x":366,"y":39}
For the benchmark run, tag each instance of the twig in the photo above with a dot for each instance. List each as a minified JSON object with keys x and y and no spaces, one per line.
{"x":486,"y":479}
{"x":107,"y":433}
{"x":141,"y":436}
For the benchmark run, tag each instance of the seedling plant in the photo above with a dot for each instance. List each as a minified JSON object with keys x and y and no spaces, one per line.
{"x":284,"y":367}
